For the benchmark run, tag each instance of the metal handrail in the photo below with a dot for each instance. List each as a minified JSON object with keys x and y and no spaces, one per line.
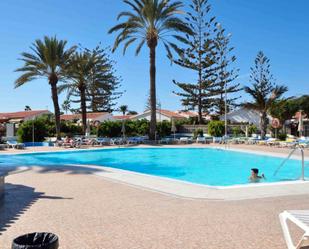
{"x":288,"y":157}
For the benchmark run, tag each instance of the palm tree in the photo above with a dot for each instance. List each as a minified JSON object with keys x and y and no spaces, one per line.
{"x":151,"y":21}
{"x":27,"y":108}
{"x":79,"y":71}
{"x":48,"y":60}
{"x":264,"y":91}
{"x":66,"y":105}
{"x":123,"y":109}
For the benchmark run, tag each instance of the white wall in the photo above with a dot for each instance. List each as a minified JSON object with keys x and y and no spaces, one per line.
{"x":147,"y":115}
{"x":106,"y":117}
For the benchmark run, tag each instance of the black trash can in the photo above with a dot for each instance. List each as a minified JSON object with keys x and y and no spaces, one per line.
{"x":36,"y":241}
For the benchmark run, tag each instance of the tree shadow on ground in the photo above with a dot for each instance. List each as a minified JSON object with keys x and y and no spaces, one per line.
{"x":17,"y":200}
{"x":70,"y":169}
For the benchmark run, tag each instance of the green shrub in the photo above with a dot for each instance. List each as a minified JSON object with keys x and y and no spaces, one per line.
{"x":216,"y":128}
{"x":252,"y":129}
{"x":198,"y":133}
{"x":70,"y":129}
{"x":237,"y":131}
{"x":110,"y":129}
{"x":132,"y":128}
{"x":164,"y":128}
{"x":142,"y":127}
{"x":36,"y":127}
{"x":282,"y":136}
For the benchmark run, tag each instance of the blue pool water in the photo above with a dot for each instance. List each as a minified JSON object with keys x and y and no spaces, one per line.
{"x":197,"y":165}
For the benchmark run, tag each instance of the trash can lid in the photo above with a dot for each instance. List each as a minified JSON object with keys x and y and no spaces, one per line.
{"x":36,"y":241}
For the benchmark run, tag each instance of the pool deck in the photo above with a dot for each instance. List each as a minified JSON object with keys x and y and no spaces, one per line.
{"x":96,"y":208}
{"x":90,"y":212}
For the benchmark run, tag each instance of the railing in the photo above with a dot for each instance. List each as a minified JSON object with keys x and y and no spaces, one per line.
{"x":288,"y":157}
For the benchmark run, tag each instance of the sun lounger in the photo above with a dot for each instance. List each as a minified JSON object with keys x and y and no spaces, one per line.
{"x":217,"y":139}
{"x":184,"y":140}
{"x":167,"y":140}
{"x":132,"y":140}
{"x":201,"y":140}
{"x":103,"y":141}
{"x":272,"y":141}
{"x":117,"y":141}
{"x":15,"y":145}
{"x":301,"y":219}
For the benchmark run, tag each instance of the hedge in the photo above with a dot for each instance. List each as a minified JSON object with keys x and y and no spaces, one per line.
{"x":216,"y":128}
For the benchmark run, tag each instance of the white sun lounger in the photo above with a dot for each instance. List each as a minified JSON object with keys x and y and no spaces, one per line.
{"x":299,"y":218}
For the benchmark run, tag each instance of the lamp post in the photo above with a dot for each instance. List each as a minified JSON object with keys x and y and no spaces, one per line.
{"x":33,"y":131}
{"x":222,"y":53}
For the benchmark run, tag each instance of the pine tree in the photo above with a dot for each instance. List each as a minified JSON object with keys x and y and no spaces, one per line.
{"x":264,"y":90}
{"x":104,"y":84}
{"x":200,"y":56}
{"x":226,"y":73}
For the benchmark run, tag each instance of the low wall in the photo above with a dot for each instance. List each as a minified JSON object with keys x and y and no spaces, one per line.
{"x":31,"y":144}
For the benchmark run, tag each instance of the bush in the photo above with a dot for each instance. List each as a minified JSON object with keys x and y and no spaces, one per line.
{"x":70,"y":129}
{"x":282,"y":136}
{"x":25,"y":131}
{"x":216,"y":128}
{"x":132,"y":127}
{"x":252,"y":129}
{"x":198,"y":133}
{"x":164,"y":128}
{"x":142,"y":127}
{"x":110,"y":129}
{"x":237,"y":131}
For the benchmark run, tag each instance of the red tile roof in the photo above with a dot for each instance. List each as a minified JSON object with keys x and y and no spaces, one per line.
{"x":92,"y":115}
{"x":188,"y":114}
{"x":170,"y":114}
{"x":21,"y":115}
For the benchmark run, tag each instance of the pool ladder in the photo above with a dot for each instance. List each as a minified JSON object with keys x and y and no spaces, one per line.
{"x":302,"y":162}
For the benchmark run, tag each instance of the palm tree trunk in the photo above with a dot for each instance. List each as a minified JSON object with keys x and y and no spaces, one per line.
{"x":54,"y":92}
{"x":153,"y":104}
{"x":83,"y":108}
{"x":263,"y":124}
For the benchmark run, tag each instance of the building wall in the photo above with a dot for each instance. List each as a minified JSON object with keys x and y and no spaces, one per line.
{"x":106,"y":117}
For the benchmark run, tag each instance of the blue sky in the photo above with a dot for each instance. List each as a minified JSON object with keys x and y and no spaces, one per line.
{"x":278,"y":27}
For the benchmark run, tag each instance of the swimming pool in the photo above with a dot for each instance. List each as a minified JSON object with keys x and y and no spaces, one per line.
{"x":207,"y":166}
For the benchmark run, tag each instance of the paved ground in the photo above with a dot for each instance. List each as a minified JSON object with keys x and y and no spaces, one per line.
{"x":89,"y":212}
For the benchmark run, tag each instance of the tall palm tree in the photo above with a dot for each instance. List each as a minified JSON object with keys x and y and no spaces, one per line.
{"x":48,"y":59}
{"x":151,"y":21}
{"x":264,"y":91}
{"x":27,"y":108}
{"x":79,"y":71}
{"x":123,"y":109}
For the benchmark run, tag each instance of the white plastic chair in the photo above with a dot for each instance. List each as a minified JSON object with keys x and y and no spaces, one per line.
{"x":301,"y":219}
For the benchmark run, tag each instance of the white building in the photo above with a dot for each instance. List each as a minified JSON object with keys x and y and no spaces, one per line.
{"x":91,"y":117}
{"x":244,"y":115}
{"x":161,"y":115}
